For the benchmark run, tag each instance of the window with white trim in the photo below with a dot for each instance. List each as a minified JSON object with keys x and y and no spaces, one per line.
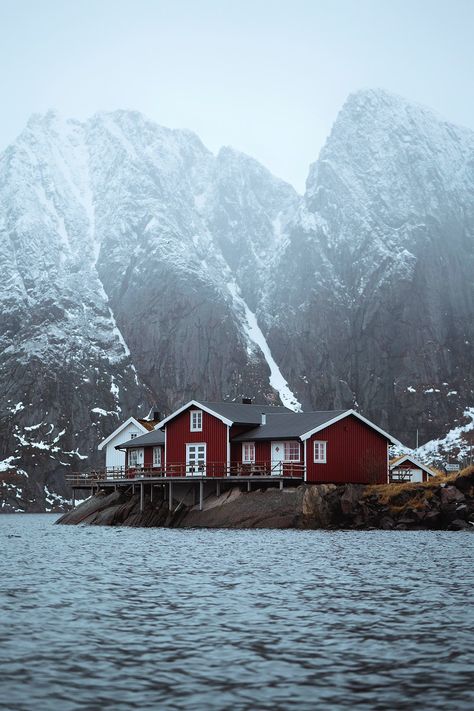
{"x":133,"y":435}
{"x":291,"y":451}
{"x":132,"y":457}
{"x":319,"y":452}
{"x":157,"y":456}
{"x":248,"y":452}
{"x":195,"y":420}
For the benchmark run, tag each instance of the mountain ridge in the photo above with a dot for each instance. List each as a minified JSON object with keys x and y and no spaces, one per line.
{"x":140,"y":268}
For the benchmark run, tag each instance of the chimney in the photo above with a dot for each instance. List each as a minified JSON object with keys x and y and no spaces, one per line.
{"x":246,"y":401}
{"x":264,"y":418}
{"x":156,"y":416}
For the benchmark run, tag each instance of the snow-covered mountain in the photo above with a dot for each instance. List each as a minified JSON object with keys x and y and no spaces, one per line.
{"x":139,"y":269}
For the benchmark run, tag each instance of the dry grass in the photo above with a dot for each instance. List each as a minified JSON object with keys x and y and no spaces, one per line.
{"x":419,"y":490}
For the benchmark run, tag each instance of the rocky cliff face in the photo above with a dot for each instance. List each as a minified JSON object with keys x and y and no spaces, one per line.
{"x":377,"y":270}
{"x":140,"y":269}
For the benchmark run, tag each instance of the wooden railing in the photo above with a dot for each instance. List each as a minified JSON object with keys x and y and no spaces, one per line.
{"x":210,"y":470}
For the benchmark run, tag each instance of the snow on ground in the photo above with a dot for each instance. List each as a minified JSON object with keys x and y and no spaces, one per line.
{"x":100,"y":411}
{"x":7,"y":464}
{"x":454,"y":441}
{"x":76,"y":453}
{"x":53,"y":500}
{"x":255,"y":336}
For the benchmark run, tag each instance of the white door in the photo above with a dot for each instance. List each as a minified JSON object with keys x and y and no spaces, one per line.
{"x":278,"y":455}
{"x":195,"y":459}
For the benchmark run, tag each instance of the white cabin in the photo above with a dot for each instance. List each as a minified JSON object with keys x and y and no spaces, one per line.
{"x":407,"y":468}
{"x":127,"y":430}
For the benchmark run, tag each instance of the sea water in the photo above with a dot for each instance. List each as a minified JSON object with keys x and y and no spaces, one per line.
{"x":123,"y":618}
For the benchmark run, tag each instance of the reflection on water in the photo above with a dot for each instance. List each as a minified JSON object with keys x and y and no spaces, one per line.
{"x":110,"y":618}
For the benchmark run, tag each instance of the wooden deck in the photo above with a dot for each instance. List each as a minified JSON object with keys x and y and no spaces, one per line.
{"x":171,"y":483}
{"x":241,"y":473}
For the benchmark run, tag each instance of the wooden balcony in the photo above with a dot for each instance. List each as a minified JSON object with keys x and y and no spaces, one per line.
{"x":212,"y":471}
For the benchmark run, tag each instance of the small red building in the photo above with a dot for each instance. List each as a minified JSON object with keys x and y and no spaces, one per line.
{"x":222,"y":439}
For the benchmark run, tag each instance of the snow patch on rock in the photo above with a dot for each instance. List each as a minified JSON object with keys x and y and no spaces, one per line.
{"x":256,"y":338}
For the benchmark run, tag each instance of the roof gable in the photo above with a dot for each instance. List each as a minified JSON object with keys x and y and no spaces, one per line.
{"x":130,"y":421}
{"x":303,"y":425}
{"x":409,"y":458}
{"x":229,"y":413}
{"x":345,"y":414}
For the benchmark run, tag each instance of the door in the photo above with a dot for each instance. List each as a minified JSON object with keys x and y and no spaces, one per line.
{"x":278,"y":455}
{"x":195,"y":460}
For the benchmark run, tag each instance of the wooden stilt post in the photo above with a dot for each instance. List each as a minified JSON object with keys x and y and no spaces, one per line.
{"x":201,"y":494}
{"x":141,"y":498}
{"x":281,"y":483}
{"x":151,"y":492}
{"x":170,"y":496}
{"x":218,"y":488}
{"x":248,"y":486}
{"x":73,"y":498}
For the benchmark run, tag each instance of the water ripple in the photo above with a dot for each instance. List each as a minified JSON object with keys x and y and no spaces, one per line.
{"x":99,"y":618}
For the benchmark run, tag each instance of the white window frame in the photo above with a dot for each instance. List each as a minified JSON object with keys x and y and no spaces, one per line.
{"x":157,"y":456}
{"x":248,"y":452}
{"x":291,"y":443}
{"x":195,"y":420}
{"x":133,"y":435}
{"x":321,"y":457}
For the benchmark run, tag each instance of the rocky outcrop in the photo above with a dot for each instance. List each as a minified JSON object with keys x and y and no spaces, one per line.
{"x":444,"y":504}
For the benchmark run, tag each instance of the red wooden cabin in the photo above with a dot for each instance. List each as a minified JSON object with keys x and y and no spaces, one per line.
{"x":222,"y":439}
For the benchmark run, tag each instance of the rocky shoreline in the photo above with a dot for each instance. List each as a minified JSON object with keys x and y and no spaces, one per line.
{"x":444,"y":503}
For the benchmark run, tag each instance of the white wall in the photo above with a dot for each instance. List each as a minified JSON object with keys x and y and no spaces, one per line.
{"x":114,"y":457}
{"x":414,"y":474}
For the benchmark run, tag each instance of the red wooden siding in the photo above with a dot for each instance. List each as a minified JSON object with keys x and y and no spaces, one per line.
{"x":147,"y":455}
{"x":355,"y":453}
{"x":263,"y":451}
{"x":213,"y":434}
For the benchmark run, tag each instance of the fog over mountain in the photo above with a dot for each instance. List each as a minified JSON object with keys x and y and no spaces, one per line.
{"x":141,"y":270}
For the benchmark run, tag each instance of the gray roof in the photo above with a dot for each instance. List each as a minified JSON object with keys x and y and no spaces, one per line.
{"x":241,"y":413}
{"x":145,"y":440}
{"x":286,"y":425}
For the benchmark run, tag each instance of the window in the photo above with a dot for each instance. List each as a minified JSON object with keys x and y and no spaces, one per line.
{"x":248,"y":452}
{"x":196,"y":420}
{"x":133,"y":457}
{"x":157,"y":456}
{"x":133,"y":435}
{"x":291,"y":452}
{"x":320,"y":452}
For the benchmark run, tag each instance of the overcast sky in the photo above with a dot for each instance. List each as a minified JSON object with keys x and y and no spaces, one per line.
{"x":265,"y":76}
